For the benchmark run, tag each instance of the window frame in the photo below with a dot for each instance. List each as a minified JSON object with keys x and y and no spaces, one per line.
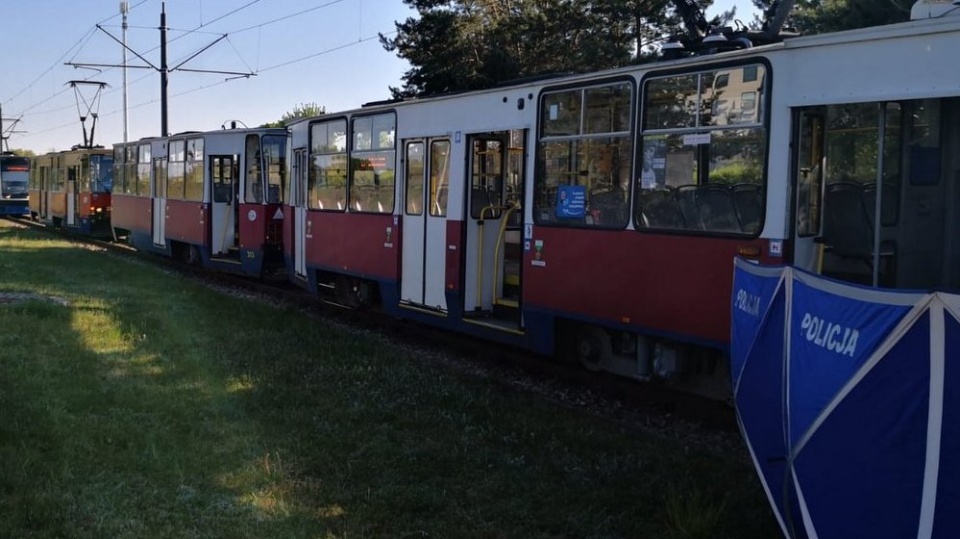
{"x":761,"y":107}
{"x":545,"y":138}
{"x":376,"y":150}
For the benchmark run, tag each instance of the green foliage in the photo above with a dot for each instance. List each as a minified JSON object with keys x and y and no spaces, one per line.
{"x":301,"y":110}
{"x":735,"y":173}
{"x":458,"y":45}
{"x":821,"y":16}
{"x":23,"y":152}
{"x":691,"y":514}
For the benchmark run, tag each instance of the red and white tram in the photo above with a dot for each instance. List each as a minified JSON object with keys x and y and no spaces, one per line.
{"x":598,"y":215}
{"x":210,"y":198}
{"x":72,"y":189}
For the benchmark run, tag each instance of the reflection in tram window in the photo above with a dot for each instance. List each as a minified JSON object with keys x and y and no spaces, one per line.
{"x":704,"y":146}
{"x":372,"y":161}
{"x":327,"y":180}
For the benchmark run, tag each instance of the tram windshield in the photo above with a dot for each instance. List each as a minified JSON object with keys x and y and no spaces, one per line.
{"x":14,"y":173}
{"x":101,"y":173}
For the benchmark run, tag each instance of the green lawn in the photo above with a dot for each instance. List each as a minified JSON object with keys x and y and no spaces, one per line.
{"x":142,"y":405}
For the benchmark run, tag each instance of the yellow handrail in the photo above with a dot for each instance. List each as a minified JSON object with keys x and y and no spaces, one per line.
{"x":483,"y":212}
{"x":496,"y":251}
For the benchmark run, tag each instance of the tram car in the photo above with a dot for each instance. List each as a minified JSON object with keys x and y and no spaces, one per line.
{"x":14,"y":176}
{"x":597,"y":216}
{"x":71,"y":189}
{"x":207,"y":198}
{"x":397,"y":189}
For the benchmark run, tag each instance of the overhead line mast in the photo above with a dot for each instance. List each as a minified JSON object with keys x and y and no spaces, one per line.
{"x":163,"y":68}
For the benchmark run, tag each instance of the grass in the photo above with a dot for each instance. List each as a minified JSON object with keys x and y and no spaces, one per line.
{"x":147,"y":406}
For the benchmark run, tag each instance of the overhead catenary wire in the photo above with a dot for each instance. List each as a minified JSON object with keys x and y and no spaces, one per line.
{"x":200,"y":88}
{"x":59,"y":60}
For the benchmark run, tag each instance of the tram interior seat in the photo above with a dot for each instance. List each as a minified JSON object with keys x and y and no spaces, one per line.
{"x":687,"y":199}
{"x":611,"y":206}
{"x":660,"y":208}
{"x":849,"y":210}
{"x":747,"y":200}
{"x":716,"y":208}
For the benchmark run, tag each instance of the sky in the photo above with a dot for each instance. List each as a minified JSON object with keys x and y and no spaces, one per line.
{"x":300,"y":51}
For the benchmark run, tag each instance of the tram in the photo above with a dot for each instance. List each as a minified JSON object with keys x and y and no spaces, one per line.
{"x":598,"y":215}
{"x":14,"y":175}
{"x":208,"y":198}
{"x":71,"y":189}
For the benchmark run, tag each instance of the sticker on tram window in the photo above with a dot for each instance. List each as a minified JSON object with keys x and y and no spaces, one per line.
{"x":571,"y":201}
{"x":696,"y":140}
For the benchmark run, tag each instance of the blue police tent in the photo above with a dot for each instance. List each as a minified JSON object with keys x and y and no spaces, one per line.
{"x":846,"y":398}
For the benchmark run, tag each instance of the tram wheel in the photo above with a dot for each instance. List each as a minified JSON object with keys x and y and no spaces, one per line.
{"x":193,"y":256}
{"x":593,"y":346}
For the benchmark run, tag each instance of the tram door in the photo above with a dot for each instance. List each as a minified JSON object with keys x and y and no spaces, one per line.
{"x":299,"y":201}
{"x":224,"y":183}
{"x":426,"y":183}
{"x":159,"y":193}
{"x":808,"y":187}
{"x":44,"y":195}
{"x":71,"y":211}
{"x":494,"y":252}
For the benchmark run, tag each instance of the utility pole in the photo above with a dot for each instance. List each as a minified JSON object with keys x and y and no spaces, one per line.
{"x":124,"y":8}
{"x":163,"y":69}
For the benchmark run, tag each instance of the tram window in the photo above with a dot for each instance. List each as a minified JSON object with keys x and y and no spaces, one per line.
{"x":143,"y":170}
{"x":193,"y":170}
{"x":925,"y":154}
{"x":160,"y":177}
{"x":223,"y":172}
{"x":275,"y":161}
{"x":671,"y":103}
{"x":714,"y":186}
{"x":584,"y":159}
{"x":101,"y":173}
{"x":810,"y":175}
{"x":439,"y":177}
{"x":176,"y":169}
{"x":130,"y":170}
{"x":703,"y":152}
{"x":327,"y":176}
{"x":413,"y":193}
{"x":372,"y":181}
{"x":118,"y":169}
{"x":253,"y":179}
{"x":852,"y":147}
{"x":560,"y":114}
{"x":486,"y":178}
